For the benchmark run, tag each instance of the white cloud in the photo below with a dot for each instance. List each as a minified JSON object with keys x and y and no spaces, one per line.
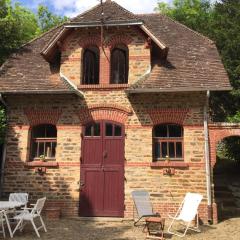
{"x":74,"y":7}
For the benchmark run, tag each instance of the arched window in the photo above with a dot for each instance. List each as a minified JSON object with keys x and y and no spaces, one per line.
{"x":43,"y":141}
{"x":90,"y":66}
{"x":168,"y":142}
{"x":119,"y":65}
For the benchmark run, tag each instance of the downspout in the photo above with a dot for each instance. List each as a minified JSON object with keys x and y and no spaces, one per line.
{"x":207,"y":160}
{"x":4,"y":153}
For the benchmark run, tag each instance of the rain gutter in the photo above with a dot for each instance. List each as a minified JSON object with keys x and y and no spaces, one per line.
{"x":3,"y":154}
{"x":207,"y":160}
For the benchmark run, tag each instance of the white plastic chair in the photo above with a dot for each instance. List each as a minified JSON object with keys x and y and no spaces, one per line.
{"x":29,"y":214}
{"x":2,"y":222}
{"x":187,"y":212}
{"x":19,"y":197}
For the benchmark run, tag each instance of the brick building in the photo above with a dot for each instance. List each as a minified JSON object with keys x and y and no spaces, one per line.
{"x":106,"y":104}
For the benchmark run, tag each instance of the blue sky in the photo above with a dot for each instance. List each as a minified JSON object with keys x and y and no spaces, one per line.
{"x":72,"y":8}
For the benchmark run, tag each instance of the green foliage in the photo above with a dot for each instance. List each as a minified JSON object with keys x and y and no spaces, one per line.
{"x":196,"y":14}
{"x":226,"y":33}
{"x":18,"y":25}
{"x":235,"y":118}
{"x":230,"y":149}
{"x":48,"y":20}
{"x":3,"y":121}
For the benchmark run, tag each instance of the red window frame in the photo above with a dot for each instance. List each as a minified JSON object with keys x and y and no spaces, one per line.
{"x":167,"y":140}
{"x":35,"y":155}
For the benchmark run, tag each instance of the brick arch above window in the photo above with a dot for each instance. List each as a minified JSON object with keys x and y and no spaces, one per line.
{"x":42,"y":116}
{"x":104,"y":112}
{"x":90,"y":41}
{"x":118,"y":39}
{"x":168,"y":115}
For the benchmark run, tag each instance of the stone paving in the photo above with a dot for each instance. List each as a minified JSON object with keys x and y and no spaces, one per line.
{"x":68,"y":229}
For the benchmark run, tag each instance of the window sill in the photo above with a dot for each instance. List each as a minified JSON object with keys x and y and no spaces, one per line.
{"x":41,"y":164}
{"x":171,"y":164}
{"x":103,"y":86}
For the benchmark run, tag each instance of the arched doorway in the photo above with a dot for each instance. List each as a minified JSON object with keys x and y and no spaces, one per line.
{"x":102,"y":169}
{"x":224,"y":141}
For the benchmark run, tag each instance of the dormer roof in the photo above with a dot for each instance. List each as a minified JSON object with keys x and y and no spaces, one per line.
{"x":108,"y":14}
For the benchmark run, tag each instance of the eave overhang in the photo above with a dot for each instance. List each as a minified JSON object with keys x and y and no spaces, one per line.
{"x":48,"y":51}
{"x":10,"y":92}
{"x":182,"y":89}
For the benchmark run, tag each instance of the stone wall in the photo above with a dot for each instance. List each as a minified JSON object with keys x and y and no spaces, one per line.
{"x":139,"y":113}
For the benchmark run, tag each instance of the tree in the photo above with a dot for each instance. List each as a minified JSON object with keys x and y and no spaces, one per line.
{"x":226,"y":33}
{"x":48,"y":20}
{"x":18,"y":25}
{"x":221,"y":23}
{"x":196,"y":14}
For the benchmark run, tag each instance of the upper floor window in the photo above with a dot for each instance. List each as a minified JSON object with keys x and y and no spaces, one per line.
{"x":43,"y":141}
{"x":119,"y":65}
{"x":90,"y":66}
{"x":168,"y":142}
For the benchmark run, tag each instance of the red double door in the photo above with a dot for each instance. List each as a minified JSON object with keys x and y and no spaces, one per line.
{"x":102,"y":170}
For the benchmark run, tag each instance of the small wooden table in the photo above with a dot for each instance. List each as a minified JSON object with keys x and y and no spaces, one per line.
{"x":155,"y":228}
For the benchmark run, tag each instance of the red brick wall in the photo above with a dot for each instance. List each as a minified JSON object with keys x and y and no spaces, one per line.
{"x":139,"y":55}
{"x":61,"y":184}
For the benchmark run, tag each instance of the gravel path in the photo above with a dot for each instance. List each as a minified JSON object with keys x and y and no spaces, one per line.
{"x":66,"y":229}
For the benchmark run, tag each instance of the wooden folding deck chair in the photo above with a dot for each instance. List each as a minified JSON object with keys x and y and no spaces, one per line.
{"x":143,"y":205}
{"x":186,"y":213}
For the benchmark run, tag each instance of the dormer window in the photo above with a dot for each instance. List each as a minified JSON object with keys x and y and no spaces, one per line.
{"x":90,"y":66}
{"x":119,"y":65}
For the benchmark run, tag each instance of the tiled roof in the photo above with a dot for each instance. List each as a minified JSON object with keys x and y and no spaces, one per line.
{"x":193,"y":62}
{"x":27,"y":71}
{"x":112,"y":13}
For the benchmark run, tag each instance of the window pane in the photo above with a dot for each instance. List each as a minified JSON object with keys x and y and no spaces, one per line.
{"x":51,"y":131}
{"x":171,"y":150}
{"x":44,"y":131}
{"x":54,"y":145}
{"x":179,"y":150}
{"x":118,"y":131}
{"x":41,"y":149}
{"x":119,"y":66}
{"x":157,"y":150}
{"x":91,"y":66}
{"x":96,"y":130}
{"x":175,"y":131}
{"x":164,"y":150}
{"x":160,"y":131}
{"x":34,"y":150}
{"x":88,"y":131}
{"x":109,"y":129}
{"x":38,"y":131}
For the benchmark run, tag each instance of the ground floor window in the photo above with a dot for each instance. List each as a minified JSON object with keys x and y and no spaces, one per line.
{"x":167,"y":142}
{"x":43,"y":142}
